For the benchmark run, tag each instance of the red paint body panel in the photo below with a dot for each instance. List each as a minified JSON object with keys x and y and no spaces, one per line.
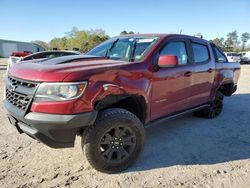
{"x":165,"y":90}
{"x":21,"y":54}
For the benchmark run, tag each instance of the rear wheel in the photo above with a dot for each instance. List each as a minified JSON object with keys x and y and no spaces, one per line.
{"x":214,"y":109}
{"x":115,"y":141}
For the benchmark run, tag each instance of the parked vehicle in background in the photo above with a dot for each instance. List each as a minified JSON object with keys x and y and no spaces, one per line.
{"x":49,"y":54}
{"x":21,"y":54}
{"x":245,"y":57}
{"x":233,"y":57}
{"x":12,"y":60}
{"x":110,"y":94}
{"x":40,"y":56}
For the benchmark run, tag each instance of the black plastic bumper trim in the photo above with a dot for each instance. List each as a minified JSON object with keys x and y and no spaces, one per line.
{"x":54,"y":130}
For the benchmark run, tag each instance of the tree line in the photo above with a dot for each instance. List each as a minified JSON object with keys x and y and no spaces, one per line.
{"x":84,"y":40}
{"x":80,"y":40}
{"x":233,"y":42}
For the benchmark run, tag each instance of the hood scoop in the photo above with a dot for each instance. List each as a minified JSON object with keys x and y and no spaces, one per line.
{"x":68,"y":59}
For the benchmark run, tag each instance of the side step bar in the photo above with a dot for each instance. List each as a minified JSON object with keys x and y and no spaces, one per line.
{"x":173,"y":116}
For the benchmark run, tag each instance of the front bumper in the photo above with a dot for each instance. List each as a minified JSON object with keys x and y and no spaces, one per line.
{"x":56,"y":131}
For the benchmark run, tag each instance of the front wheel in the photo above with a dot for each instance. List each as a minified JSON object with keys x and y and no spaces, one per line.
{"x":115,"y":141}
{"x":214,"y":109}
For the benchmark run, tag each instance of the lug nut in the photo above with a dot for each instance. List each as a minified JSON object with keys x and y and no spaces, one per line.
{"x":117,"y":147}
{"x":113,"y":147}
{"x":121,"y":143}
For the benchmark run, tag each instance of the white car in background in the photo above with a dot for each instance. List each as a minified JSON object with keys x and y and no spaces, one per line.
{"x":11,"y":61}
{"x":233,"y":57}
{"x":40,"y":56}
{"x":245,"y":57}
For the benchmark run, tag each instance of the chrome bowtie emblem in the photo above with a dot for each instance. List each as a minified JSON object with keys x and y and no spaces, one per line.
{"x":13,"y":87}
{"x":23,"y":102}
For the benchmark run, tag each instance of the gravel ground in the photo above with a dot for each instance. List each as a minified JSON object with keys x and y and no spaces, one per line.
{"x":185,"y":152}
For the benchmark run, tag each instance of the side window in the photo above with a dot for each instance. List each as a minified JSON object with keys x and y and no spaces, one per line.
{"x":45,"y":55}
{"x":220,"y":57}
{"x":52,"y":55}
{"x":37,"y":56}
{"x":178,"y":49}
{"x":101,"y":49}
{"x":200,"y":52}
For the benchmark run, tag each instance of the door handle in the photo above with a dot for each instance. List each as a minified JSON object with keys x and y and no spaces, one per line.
{"x":210,"y":70}
{"x":188,"y":73}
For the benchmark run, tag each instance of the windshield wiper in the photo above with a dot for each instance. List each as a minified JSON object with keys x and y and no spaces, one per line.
{"x":132,"y":55}
{"x":111,"y":47}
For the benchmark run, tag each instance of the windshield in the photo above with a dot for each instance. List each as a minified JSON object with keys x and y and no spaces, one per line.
{"x":124,"y":48}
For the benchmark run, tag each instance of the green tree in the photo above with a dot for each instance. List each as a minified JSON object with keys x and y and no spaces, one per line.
{"x":81,"y":39}
{"x":218,"y":42}
{"x":228,"y":44}
{"x":85,"y":39}
{"x":127,"y":33}
{"x":124,"y":32}
{"x":232,"y":41}
{"x":41,"y":43}
{"x":58,"y":43}
{"x":244,"y":38}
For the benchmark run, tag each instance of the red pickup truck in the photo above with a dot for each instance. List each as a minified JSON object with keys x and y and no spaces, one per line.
{"x":110,"y":94}
{"x":21,"y":53}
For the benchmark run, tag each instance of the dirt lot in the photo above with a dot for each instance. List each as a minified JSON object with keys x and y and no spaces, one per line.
{"x":186,"y":152}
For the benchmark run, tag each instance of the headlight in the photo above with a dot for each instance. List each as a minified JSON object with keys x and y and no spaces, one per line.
{"x":60,"y":91}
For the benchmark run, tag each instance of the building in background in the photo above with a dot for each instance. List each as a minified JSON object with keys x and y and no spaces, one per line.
{"x":9,"y":46}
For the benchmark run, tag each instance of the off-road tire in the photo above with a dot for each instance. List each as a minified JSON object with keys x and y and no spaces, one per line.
{"x":108,"y":121}
{"x":214,"y":109}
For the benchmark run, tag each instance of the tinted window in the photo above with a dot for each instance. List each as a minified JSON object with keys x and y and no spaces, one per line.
{"x":200,"y":52}
{"x":53,"y":54}
{"x":34,"y":56}
{"x":101,"y":49}
{"x":124,"y":48}
{"x":220,"y":57}
{"x":121,"y":50}
{"x":178,"y":49}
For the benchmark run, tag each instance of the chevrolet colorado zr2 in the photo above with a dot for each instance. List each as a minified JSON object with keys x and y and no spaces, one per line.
{"x":110,"y":94}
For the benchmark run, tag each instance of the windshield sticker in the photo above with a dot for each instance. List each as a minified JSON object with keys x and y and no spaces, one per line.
{"x":145,"y":40}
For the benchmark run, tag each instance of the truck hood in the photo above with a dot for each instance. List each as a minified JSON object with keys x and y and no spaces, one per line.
{"x":57,"y":69}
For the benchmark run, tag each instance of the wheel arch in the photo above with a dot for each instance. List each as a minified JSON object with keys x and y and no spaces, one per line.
{"x":227,"y":88}
{"x":135,"y":104}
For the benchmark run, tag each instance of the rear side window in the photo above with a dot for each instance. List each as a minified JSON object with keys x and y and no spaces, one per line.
{"x":219,"y":56}
{"x":178,"y":49}
{"x":200,"y":52}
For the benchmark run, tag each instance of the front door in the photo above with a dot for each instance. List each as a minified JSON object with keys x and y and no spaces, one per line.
{"x":171,"y":86}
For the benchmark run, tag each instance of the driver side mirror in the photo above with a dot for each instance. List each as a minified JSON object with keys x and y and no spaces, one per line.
{"x":167,"y":61}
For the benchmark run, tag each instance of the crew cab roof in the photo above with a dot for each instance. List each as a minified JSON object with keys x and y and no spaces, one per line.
{"x":162,"y":35}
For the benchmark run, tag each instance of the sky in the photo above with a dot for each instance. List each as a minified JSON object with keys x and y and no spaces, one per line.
{"x":44,"y":19}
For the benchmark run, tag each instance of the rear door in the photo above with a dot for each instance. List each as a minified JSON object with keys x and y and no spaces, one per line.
{"x":204,"y":72}
{"x":171,"y":86}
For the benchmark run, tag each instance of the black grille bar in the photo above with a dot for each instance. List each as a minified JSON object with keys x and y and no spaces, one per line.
{"x":17,"y":99}
{"x":21,"y":83}
{"x":20,"y":92}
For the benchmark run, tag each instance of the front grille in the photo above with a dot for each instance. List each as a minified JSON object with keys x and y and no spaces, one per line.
{"x":19,"y":92}
{"x":21,"y":83}
{"x":17,"y":99}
